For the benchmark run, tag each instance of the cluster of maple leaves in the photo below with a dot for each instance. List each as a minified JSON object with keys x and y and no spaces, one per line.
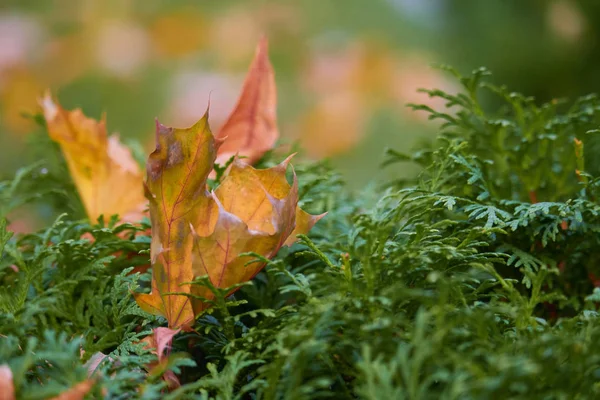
{"x":195,"y":232}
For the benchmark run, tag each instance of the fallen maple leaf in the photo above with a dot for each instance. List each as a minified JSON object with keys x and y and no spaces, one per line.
{"x":176,"y":187}
{"x":196,"y":233}
{"x":107,"y":177}
{"x":251,"y":128}
{"x":258,"y":213}
{"x":105,"y":173}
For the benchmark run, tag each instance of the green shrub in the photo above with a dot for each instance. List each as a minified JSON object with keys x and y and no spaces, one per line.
{"x":475,"y":280}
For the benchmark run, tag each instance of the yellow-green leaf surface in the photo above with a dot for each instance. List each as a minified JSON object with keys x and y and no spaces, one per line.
{"x":176,"y":188}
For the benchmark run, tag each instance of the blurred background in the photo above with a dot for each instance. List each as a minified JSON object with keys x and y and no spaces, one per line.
{"x":344,"y":68}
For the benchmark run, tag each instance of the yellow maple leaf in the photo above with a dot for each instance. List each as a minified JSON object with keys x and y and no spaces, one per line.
{"x":107,"y":177}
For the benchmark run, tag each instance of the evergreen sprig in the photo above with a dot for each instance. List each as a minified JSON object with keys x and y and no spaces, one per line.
{"x":476,"y":279}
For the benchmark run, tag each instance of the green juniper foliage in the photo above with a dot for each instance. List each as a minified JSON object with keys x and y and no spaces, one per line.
{"x":475,"y":280}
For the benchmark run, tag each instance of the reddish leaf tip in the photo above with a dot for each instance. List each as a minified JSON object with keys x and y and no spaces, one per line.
{"x":206,"y":112}
{"x":263,"y":44}
{"x":317,"y":218}
{"x":219,"y":141}
{"x":161,"y":129}
{"x":163,"y":337}
{"x":286,"y":162}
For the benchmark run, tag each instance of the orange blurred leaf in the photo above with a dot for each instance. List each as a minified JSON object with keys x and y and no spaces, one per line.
{"x":333,"y":125}
{"x":196,"y":233}
{"x":168,"y":30}
{"x":107,"y":178}
{"x":77,"y":392}
{"x":19,"y":90}
{"x":251,"y":129}
{"x":7,"y":388}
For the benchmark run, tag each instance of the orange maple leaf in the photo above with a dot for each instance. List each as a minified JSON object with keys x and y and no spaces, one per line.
{"x":251,"y":128}
{"x":105,"y":174}
{"x":76,"y":392}
{"x":176,"y":187}
{"x":107,"y":177}
{"x":196,"y":233}
{"x":259,"y":213}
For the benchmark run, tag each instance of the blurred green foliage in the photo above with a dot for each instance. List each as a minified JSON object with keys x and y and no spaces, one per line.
{"x":548,"y":49}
